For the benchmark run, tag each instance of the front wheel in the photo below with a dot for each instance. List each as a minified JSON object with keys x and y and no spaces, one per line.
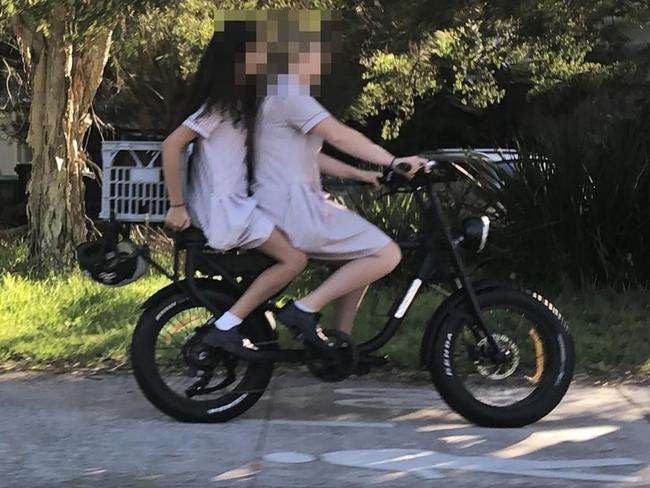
{"x":519,"y":385}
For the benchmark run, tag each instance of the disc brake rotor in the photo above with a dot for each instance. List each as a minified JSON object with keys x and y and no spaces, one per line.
{"x":503,"y":369}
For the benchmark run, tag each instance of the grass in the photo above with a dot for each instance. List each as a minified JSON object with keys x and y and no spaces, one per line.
{"x":66,"y":319}
{"x":71,"y":321}
{"x":610,"y":329}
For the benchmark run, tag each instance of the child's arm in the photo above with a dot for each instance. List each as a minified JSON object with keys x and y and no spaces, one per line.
{"x":308,"y":116}
{"x":333,"y":167}
{"x":352,"y":142}
{"x":171,"y":152}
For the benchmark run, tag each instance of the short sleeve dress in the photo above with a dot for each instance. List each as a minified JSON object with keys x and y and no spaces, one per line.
{"x":218,"y":200}
{"x":288,"y":189}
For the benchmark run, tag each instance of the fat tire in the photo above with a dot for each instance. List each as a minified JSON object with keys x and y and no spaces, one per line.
{"x":154,"y":388}
{"x":557,"y":374}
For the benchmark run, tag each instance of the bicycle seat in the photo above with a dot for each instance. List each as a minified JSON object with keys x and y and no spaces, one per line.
{"x":237,"y":261}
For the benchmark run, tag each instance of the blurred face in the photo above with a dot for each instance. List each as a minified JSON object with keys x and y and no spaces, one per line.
{"x":309,"y":62}
{"x":256,"y":58}
{"x":287,"y":42}
{"x":306,"y":62}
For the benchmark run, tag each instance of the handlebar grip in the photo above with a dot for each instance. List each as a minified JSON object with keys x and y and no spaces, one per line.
{"x":404,"y":167}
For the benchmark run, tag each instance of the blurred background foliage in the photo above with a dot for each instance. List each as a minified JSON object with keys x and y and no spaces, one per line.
{"x":565,"y":83}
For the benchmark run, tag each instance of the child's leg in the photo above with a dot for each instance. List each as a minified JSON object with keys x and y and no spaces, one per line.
{"x":290,"y":263}
{"x":346,"y":308}
{"x":352,"y":276}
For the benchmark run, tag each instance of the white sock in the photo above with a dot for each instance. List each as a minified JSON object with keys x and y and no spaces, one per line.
{"x":227,"y":321}
{"x":302,"y":307}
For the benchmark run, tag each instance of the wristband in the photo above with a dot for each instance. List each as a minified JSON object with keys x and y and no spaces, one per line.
{"x":176,"y":206}
{"x":392,"y":163}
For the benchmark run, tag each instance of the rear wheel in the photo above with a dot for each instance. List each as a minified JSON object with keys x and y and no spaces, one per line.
{"x":525,"y":381}
{"x":184,"y":379}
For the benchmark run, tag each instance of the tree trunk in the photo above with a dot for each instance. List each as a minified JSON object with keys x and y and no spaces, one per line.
{"x":64,"y":77}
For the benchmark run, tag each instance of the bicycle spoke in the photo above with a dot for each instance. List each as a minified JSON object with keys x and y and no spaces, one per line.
{"x":506,"y":381}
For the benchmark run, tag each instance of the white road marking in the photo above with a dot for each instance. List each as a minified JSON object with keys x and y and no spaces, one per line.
{"x":244,"y":472}
{"x":289,"y":457}
{"x":430,"y":464}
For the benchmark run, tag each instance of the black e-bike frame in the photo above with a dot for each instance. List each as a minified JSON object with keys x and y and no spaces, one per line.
{"x":435,"y":240}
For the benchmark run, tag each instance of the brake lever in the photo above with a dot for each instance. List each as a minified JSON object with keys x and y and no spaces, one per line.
{"x":395,"y":180}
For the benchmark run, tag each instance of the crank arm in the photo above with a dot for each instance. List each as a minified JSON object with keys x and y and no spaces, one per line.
{"x":231,"y":376}
{"x":198,"y":387}
{"x":228,"y":380}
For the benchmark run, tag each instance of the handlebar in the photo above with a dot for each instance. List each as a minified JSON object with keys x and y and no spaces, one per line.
{"x":406,"y":167}
{"x":395,"y":178}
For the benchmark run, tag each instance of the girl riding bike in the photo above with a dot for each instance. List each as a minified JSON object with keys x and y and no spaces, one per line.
{"x":290,"y":131}
{"x":221,"y":104}
{"x":499,"y":355}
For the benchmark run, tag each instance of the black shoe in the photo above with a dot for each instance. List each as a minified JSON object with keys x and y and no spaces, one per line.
{"x":305,"y":324}
{"x":230,"y":341}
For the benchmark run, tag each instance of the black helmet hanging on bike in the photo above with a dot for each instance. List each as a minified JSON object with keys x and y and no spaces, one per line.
{"x":112,"y":265}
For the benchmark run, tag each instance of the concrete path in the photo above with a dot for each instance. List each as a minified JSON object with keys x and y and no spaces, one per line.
{"x":64,"y":431}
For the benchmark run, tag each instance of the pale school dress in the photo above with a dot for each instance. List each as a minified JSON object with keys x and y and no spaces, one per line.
{"x":218,"y":201}
{"x":288,"y":189}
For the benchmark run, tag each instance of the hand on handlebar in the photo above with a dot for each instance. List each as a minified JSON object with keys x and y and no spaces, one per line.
{"x":415,"y":163}
{"x":370,"y":177}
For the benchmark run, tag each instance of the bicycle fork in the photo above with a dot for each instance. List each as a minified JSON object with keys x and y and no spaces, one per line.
{"x":462,"y":281}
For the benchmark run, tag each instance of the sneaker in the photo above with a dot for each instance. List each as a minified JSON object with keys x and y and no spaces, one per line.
{"x":306,"y":324}
{"x":231,"y":341}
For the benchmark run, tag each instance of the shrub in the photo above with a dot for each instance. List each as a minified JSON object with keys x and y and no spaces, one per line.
{"x":577,"y":206}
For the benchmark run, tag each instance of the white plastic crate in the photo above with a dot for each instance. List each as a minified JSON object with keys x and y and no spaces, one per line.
{"x":133,"y":188}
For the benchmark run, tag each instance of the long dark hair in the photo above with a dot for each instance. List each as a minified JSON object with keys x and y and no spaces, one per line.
{"x":217,"y":86}
{"x":214,"y":81}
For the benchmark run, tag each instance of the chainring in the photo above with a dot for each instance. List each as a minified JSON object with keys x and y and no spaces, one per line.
{"x":198,"y":355}
{"x":337,"y":368}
